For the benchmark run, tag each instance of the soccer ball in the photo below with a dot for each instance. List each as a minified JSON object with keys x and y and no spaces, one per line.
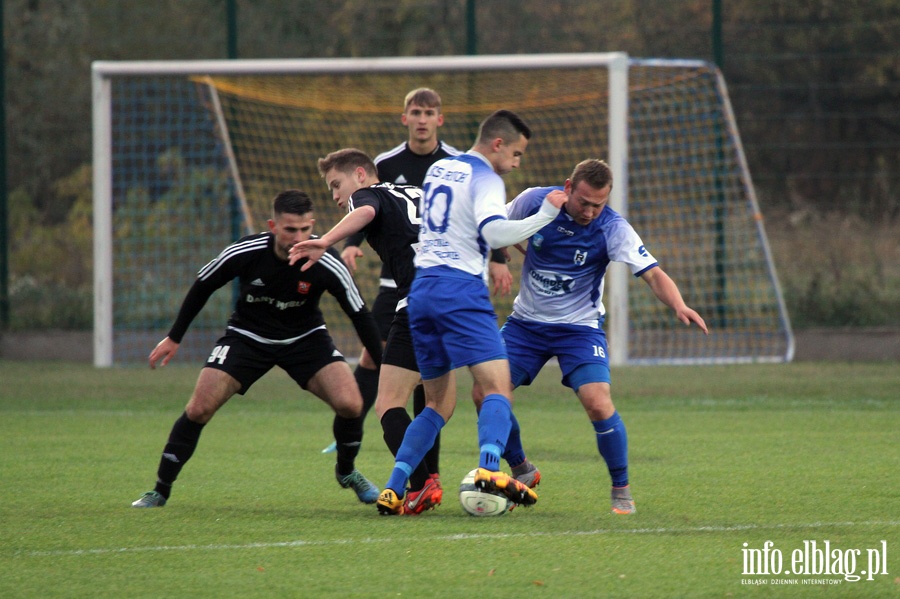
{"x":481,"y":503}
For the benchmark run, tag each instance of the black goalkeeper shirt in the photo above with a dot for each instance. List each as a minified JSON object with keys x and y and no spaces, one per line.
{"x":278,"y":303}
{"x":402,"y":166}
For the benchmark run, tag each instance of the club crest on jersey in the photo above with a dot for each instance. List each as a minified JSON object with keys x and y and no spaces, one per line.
{"x":580,"y":257}
{"x":536,"y":240}
{"x":303,"y":287}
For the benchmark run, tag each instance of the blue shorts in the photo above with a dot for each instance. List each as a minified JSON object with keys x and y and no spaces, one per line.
{"x":453,"y":322}
{"x":580,"y":350}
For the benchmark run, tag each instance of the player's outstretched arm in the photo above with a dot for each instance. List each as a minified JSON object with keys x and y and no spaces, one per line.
{"x":667,"y":292}
{"x":315,"y":248}
{"x":164,"y":351}
{"x":501,"y":233}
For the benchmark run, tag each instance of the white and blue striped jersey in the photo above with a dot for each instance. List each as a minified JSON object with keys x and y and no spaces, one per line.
{"x":462,"y":194}
{"x":564,"y":269}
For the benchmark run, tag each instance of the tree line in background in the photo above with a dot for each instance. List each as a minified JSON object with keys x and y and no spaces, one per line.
{"x":815,"y":85}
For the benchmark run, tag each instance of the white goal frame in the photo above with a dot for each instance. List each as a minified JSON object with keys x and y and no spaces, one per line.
{"x":617,"y":65}
{"x":103,"y":71}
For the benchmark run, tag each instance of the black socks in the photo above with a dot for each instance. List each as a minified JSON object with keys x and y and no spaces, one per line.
{"x":179,"y":449}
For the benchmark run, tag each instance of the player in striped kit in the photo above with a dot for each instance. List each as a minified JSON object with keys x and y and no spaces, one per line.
{"x":450,"y":313}
{"x":407,"y":164}
{"x":276,"y":322}
{"x":559,"y":309}
{"x":404,"y":164}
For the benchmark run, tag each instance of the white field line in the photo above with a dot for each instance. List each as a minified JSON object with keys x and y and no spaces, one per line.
{"x":459,"y":537}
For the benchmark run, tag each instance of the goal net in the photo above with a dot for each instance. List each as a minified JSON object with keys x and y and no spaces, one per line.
{"x":188,"y":156}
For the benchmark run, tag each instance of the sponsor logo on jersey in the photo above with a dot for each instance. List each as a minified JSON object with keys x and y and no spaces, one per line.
{"x":565,"y":231}
{"x":279,"y":305}
{"x":549,"y":283}
{"x":580,"y":257}
{"x":303,"y":287}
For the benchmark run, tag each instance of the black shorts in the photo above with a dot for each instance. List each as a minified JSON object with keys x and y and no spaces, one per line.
{"x":383,"y":309}
{"x":247,"y":360}
{"x":399,"y":350}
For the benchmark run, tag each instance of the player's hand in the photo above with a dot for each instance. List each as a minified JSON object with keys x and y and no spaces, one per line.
{"x":164,"y":351}
{"x":312,"y":249}
{"x":557,"y":197}
{"x":501,"y":277}
{"x":349,"y":256}
{"x":689,"y":315}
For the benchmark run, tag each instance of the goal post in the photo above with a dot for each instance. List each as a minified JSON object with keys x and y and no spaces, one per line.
{"x":189,"y":154}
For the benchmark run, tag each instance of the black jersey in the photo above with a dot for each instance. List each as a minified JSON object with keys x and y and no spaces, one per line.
{"x":402,"y":166}
{"x":394,"y":231}
{"x":278,"y":303}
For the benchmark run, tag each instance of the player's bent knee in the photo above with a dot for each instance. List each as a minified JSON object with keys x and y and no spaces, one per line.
{"x":366,"y":361}
{"x":384,"y":403}
{"x":348,"y":411}
{"x":200,"y":412}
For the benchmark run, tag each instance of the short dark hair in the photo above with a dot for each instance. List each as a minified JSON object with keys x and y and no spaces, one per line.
{"x":504,"y":124}
{"x":292,"y":201}
{"x":592,"y":171}
{"x":346,"y":160}
{"x":422,"y":96}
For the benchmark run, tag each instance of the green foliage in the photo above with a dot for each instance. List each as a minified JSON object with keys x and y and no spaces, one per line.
{"x":837,"y":270}
{"x":862,"y":302}
{"x":720,"y":456}
{"x":51,"y":264}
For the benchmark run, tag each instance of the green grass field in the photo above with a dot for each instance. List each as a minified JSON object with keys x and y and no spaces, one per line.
{"x":720,"y":456}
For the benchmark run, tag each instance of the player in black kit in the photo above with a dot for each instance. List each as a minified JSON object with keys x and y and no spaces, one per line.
{"x":276,"y":322}
{"x":388,"y":215}
{"x":407,"y":163}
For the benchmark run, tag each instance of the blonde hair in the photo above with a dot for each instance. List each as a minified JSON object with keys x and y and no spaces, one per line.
{"x":422,"y":96}
{"x":592,"y":171}
{"x":347,"y":160}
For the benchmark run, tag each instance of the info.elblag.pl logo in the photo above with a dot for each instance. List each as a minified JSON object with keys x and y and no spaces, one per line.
{"x":813,"y":562}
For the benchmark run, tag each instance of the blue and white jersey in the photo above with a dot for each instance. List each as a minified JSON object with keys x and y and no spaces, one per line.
{"x":564,"y":269}
{"x":462,"y":194}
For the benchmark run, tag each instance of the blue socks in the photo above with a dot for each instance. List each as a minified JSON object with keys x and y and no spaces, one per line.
{"x":493,"y":430}
{"x":418,"y":440}
{"x":514,"y":453}
{"x":612,"y":441}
